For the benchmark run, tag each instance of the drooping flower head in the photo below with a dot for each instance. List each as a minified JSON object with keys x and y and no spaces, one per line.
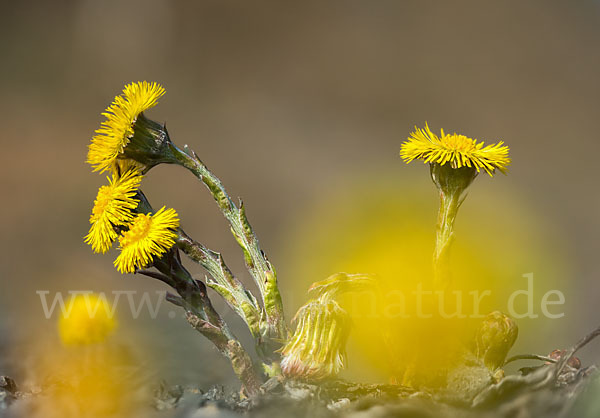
{"x":118,"y":128}
{"x":317,"y":349}
{"x":457,"y":150}
{"x":149,"y":236}
{"x":113,"y":207}
{"x":86,"y":319}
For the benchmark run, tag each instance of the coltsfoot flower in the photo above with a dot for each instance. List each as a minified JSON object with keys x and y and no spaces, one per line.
{"x":454,"y":162}
{"x":87,"y":319}
{"x":317,"y":349}
{"x":117,"y":130}
{"x":112,"y":208}
{"x":458,"y":150}
{"x":149,"y":236}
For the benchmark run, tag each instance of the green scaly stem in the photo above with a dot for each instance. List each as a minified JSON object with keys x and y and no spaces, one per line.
{"x":272,"y":322}
{"x":201,"y":314}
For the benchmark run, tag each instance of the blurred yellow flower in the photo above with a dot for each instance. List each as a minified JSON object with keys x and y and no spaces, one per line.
{"x":148,"y":236}
{"x":87,"y":319}
{"x":113,"y":207}
{"x":458,"y":150}
{"x":121,"y":115}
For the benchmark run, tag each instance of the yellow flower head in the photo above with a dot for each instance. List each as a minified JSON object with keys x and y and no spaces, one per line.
{"x":114,"y":133}
{"x":458,"y":150}
{"x":113,"y":207}
{"x":87,"y":319}
{"x":148,"y":236}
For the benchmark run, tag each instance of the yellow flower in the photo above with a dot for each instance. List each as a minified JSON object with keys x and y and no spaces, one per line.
{"x":86,"y":319}
{"x":114,"y":133}
{"x":113,"y":207}
{"x":458,"y":150}
{"x":148,"y":236}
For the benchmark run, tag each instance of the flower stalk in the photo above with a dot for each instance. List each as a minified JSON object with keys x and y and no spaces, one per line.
{"x":452,"y":184}
{"x":202,"y":316}
{"x":272,"y":322}
{"x":228,"y":286}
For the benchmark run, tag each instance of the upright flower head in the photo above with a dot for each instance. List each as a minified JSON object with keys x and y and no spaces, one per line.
{"x":317,"y":349}
{"x":458,"y":150}
{"x":148,"y":236}
{"x":113,"y":207}
{"x":118,"y":128}
{"x":87,"y":319}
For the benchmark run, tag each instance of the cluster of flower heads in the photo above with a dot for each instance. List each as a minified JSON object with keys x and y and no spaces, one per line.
{"x":458,"y":150}
{"x":141,"y":236}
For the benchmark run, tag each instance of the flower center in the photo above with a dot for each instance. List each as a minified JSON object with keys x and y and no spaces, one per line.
{"x":456,"y":142}
{"x":138,"y":230}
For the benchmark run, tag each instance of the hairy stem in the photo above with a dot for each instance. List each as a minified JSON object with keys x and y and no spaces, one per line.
{"x":201,"y":314}
{"x":452,"y":184}
{"x":232,"y":349}
{"x":224,"y":282}
{"x":273,"y":324}
{"x":449,"y":204}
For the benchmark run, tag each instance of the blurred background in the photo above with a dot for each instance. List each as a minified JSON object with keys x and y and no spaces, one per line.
{"x":300,"y":109}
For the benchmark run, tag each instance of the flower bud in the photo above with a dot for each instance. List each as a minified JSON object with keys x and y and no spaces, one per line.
{"x":494,"y":338}
{"x":317,"y":349}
